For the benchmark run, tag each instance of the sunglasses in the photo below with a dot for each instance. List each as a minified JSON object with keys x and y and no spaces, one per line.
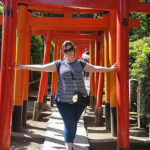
{"x":68,"y":50}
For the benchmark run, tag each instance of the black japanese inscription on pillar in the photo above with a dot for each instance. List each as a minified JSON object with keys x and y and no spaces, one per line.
{"x":8,"y":12}
{"x":125,"y":22}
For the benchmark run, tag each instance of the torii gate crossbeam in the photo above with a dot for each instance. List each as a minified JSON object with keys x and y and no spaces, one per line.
{"x":134,"y":5}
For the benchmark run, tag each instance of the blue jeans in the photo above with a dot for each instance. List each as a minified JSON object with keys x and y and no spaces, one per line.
{"x":70,"y":114}
{"x":86,"y":74}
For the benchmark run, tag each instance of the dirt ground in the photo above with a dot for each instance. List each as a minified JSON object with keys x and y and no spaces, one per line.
{"x":33,"y":134}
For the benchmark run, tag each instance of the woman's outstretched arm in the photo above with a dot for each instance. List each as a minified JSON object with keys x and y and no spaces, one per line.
{"x":51,"y":67}
{"x":91,"y":68}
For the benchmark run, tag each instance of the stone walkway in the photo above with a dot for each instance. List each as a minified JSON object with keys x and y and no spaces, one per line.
{"x":54,"y":138}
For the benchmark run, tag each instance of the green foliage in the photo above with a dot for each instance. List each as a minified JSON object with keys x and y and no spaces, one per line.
{"x":145,"y":0}
{"x":37,"y":47}
{"x":140,"y":69}
{"x":1,"y":10}
{"x":144,"y":30}
{"x":52,"y":52}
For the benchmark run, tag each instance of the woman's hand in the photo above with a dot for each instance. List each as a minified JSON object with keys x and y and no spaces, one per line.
{"x":18,"y":66}
{"x":114,"y":66}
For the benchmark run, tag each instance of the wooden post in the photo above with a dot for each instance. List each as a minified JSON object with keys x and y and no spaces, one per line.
{"x":138,"y":105}
{"x":26,"y":74}
{"x":38,"y":104}
{"x":54,"y":76}
{"x":112,"y":60}
{"x":7,"y":71}
{"x":100,"y":89}
{"x":97,"y":62}
{"x":20,"y":59}
{"x":107,"y":81}
{"x":92,"y":74}
{"x":123,"y":75}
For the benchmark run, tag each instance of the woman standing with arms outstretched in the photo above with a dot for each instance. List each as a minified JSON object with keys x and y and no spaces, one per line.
{"x":69,"y":110}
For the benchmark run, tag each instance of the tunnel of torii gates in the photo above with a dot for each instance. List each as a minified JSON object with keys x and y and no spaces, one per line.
{"x":106,"y":38}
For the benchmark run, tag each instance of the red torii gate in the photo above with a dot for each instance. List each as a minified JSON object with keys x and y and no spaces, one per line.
{"x":122,"y":7}
{"x":74,"y":34}
{"x":18,"y":98}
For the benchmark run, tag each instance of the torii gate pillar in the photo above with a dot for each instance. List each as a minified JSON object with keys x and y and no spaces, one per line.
{"x":7,"y":71}
{"x":123,"y":75}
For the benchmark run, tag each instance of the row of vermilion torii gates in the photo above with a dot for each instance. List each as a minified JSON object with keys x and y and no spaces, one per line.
{"x":106,"y":37}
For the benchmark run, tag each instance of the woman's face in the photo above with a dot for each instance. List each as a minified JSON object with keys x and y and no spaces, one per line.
{"x":69,"y":51}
